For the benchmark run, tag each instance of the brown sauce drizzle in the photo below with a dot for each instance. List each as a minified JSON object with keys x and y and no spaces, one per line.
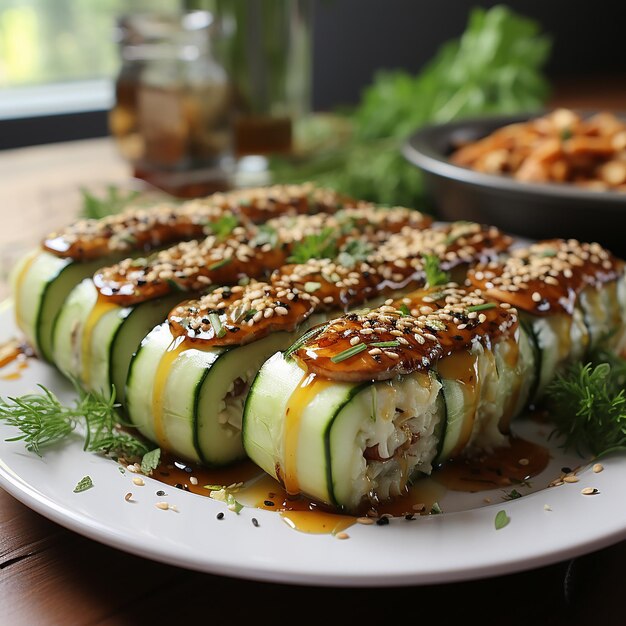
{"x":14,"y":351}
{"x":501,"y":469}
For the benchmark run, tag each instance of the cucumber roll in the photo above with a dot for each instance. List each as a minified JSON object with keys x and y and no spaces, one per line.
{"x":44,"y":278}
{"x":256,"y":320}
{"x":98,"y":330}
{"x":359,"y":406}
{"x":571,"y":298}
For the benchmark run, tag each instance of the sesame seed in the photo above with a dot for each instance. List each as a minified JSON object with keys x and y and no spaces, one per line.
{"x":342,"y":536}
{"x":523,"y":461}
{"x":375,"y":351}
{"x":255,"y":522}
{"x":128,"y":496}
{"x":589,"y":491}
{"x":547,"y":507}
{"x":355,"y":340}
{"x":138,"y":481}
{"x":162,"y":505}
{"x":220,"y":515}
{"x":367,"y":521}
{"x":571,"y":479}
{"x":536,"y":296}
{"x":597,"y":468}
{"x":193,"y":480}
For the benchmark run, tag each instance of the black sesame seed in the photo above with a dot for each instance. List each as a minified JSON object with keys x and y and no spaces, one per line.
{"x":178,"y":486}
{"x":382,"y":521}
{"x":268,"y":503}
{"x":161,"y":493}
{"x":220,"y":515}
{"x":188,"y":469}
{"x":566,"y":470}
{"x":255,"y":522}
{"x":409,"y":516}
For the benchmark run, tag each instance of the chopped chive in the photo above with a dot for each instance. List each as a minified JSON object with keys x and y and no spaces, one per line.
{"x":219,"y":264}
{"x":404,"y":309}
{"x":502,"y":519}
{"x":174,"y":286}
{"x":218,"y":328}
{"x":250,"y":313}
{"x":384,"y":344}
{"x":548,"y":252}
{"x":481,"y":307}
{"x":298,"y":343}
{"x":349,"y":352}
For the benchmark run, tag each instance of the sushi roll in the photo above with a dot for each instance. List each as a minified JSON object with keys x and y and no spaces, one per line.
{"x":43,"y":279}
{"x":571,"y":297}
{"x":231,"y":331}
{"x":104,"y":320}
{"x":363,"y":404}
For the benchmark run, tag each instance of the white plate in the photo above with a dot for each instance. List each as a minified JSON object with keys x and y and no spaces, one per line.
{"x":460,"y":544}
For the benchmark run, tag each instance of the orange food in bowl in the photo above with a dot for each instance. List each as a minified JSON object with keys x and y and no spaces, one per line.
{"x":560,"y":147}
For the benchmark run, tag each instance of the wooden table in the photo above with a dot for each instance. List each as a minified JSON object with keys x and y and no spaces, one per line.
{"x":49,"y":575}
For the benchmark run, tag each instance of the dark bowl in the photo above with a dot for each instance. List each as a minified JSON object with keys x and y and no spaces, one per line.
{"x":536,"y":211}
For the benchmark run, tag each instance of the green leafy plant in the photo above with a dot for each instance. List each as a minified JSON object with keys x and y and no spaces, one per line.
{"x":114,"y":201}
{"x":494,"y":67}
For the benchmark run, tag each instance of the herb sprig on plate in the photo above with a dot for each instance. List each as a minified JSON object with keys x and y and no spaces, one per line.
{"x":43,"y":420}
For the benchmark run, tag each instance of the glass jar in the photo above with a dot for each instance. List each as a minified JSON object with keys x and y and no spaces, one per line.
{"x":138,"y":37}
{"x":182,"y":109}
{"x":266,"y":48}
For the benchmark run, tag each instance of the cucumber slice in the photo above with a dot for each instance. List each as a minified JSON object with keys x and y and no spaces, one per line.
{"x":561,"y":339}
{"x":41,"y":284}
{"x":190,"y":399}
{"x":340,"y":442}
{"x":602,"y":313}
{"x":93,"y":341}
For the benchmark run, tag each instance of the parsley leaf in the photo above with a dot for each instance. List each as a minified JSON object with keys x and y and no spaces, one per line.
{"x":150,"y":461}
{"x":502,"y":520}
{"x":83,"y":484}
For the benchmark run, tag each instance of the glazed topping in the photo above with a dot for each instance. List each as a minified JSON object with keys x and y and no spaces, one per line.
{"x":459,"y":243}
{"x":346,"y":281}
{"x":457,"y":317}
{"x":141,"y":228}
{"x":547,"y":277}
{"x":238,"y":315}
{"x":251,"y":252}
{"x":403,"y":337}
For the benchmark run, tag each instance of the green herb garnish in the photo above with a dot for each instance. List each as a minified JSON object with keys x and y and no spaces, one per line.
{"x":113,"y":202}
{"x":232,"y":503}
{"x":218,"y":328}
{"x":566,"y":134}
{"x":435,"y":509}
{"x":353,"y":252}
{"x":219,"y":264}
{"x":348,"y":352}
{"x":322,"y":245}
{"x":42,"y":421}
{"x":250,"y":313}
{"x":83,"y":484}
{"x":307,"y":336}
{"x":404,"y":309}
{"x":384,"y":344}
{"x":434,"y":274}
{"x":374,"y":403}
{"x":514,"y":494}
{"x":481,"y":307}
{"x":150,"y":461}
{"x":588,"y":404}
{"x":174,"y":285}
{"x":501,"y":520}
{"x":223,"y":226}
{"x":265,"y":235}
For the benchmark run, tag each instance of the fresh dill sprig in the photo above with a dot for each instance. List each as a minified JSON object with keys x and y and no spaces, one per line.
{"x":322,"y":245}
{"x":43,"y":420}
{"x":432,"y":269}
{"x":588,"y":404}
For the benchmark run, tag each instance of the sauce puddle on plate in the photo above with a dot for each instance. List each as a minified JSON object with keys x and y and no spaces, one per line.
{"x":14,"y":352}
{"x":254,"y":488}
